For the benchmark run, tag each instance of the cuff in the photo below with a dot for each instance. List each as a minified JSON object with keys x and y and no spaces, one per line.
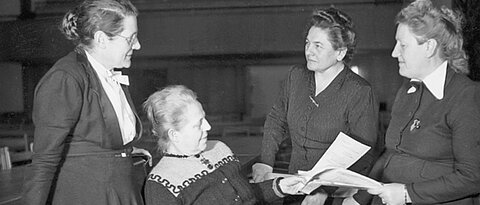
{"x":276,"y":187}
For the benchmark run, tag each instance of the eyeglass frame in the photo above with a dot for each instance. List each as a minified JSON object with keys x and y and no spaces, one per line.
{"x":132,"y":40}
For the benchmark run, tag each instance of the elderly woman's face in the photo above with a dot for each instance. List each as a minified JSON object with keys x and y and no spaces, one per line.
{"x":192,"y":137}
{"x":120,"y":47}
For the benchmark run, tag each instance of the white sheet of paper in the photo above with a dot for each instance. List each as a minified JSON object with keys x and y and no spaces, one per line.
{"x":343,"y":152}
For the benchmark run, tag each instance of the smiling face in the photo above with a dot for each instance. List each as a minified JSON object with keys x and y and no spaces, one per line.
{"x":319,"y":52}
{"x":191,"y":138}
{"x":411,"y":56}
{"x":120,"y":48}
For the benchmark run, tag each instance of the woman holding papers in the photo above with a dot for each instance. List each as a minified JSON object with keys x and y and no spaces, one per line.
{"x":433,"y":141}
{"x":321,"y":99}
{"x":192,"y":169}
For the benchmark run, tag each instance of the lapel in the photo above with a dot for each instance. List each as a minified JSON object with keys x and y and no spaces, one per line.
{"x":410,"y":103}
{"x":112,"y":137}
{"x":138,"y":122}
{"x":402,"y":111}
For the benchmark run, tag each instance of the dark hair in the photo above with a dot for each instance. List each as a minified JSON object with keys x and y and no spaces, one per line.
{"x":80,"y":24}
{"x":442,"y":25}
{"x":165,"y":110}
{"x":339,"y":27}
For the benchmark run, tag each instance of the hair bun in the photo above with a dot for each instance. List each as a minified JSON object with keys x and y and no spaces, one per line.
{"x":344,"y":19}
{"x":69,"y":26}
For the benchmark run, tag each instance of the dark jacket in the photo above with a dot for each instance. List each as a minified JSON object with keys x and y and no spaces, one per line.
{"x":73,"y":117}
{"x":439,"y":159}
{"x":347,"y":105}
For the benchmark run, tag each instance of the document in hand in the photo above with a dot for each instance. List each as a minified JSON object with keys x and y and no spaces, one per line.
{"x":331,"y":168}
{"x":339,"y":177}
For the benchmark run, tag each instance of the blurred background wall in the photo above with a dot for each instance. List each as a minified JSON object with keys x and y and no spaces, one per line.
{"x":234,"y":54}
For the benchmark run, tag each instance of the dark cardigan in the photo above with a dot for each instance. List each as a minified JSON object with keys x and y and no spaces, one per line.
{"x":188,"y":181}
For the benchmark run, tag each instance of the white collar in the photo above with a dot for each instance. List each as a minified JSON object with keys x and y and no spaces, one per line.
{"x":105,"y":73}
{"x":101,"y":70}
{"x":435,"y":81}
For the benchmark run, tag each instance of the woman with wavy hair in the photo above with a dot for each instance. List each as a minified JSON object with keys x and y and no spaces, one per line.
{"x":433,"y":139}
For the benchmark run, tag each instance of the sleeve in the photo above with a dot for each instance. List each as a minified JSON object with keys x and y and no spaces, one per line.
{"x":464,"y":123}
{"x":264,"y":191}
{"x":276,"y":127}
{"x":363,"y":125}
{"x":157,"y":194}
{"x":57,"y":105}
{"x":362,"y":196}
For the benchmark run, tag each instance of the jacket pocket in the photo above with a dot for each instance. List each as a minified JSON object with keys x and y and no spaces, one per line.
{"x":432,"y":170}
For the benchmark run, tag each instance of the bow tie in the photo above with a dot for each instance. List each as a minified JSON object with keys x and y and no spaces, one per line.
{"x":414,"y":86}
{"x":118,"y":77}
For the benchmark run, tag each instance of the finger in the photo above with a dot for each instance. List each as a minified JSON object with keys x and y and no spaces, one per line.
{"x":293,"y":181}
{"x":256,"y":178}
{"x":374,"y":191}
{"x":383,"y":201}
{"x":148,"y":154}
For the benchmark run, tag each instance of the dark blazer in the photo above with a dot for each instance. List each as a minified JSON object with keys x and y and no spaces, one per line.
{"x":73,"y":117}
{"x":439,"y":159}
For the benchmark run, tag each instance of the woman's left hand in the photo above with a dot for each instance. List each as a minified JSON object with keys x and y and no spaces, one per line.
{"x":291,"y":185}
{"x":144,"y":152}
{"x":391,"y":194}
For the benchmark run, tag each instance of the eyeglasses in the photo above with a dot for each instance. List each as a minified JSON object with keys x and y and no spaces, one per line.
{"x":132,"y":40}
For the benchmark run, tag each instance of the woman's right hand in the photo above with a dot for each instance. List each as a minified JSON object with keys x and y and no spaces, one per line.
{"x":259,"y":171}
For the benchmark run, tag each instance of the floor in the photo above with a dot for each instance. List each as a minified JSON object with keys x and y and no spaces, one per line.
{"x":247,"y":148}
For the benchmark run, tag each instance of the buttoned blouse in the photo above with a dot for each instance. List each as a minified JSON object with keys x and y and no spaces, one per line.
{"x":312,"y":122}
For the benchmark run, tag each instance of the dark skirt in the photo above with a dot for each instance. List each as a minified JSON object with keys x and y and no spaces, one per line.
{"x":95,"y":179}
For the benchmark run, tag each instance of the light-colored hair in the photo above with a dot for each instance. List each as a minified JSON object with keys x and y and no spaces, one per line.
{"x":80,"y":24}
{"x":442,"y":25}
{"x":166,"y":109}
{"x":339,"y":27}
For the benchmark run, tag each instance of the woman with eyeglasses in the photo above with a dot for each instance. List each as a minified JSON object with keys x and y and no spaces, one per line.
{"x":85,"y":122}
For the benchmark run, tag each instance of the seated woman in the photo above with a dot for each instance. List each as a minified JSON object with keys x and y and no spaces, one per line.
{"x":192,"y":169}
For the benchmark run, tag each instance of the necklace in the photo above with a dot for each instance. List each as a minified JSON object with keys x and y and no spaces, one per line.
{"x":200,"y":156}
{"x":166,"y":154}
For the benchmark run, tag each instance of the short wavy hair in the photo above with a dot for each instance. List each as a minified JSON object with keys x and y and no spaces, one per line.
{"x":442,"y":25}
